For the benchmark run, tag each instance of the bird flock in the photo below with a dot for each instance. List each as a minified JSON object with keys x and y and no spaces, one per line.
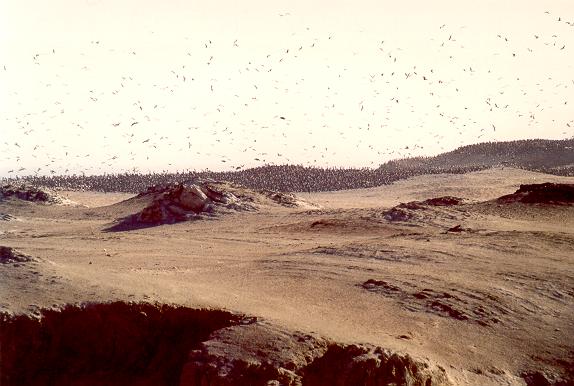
{"x":220,"y":105}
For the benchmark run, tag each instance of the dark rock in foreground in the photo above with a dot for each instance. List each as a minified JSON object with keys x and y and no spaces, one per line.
{"x":543,"y":378}
{"x":546,"y":193}
{"x":261,"y":355}
{"x":10,"y":255}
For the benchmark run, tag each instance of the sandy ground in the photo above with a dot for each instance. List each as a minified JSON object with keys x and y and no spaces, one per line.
{"x":486,"y":303}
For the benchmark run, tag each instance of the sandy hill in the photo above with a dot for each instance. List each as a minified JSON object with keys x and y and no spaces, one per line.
{"x":534,"y":154}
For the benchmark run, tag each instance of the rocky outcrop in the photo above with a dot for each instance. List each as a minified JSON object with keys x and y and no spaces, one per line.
{"x":547,"y":378}
{"x":437,"y":201}
{"x":460,"y":305}
{"x":404,"y":211}
{"x":259,"y":355}
{"x":180,"y":202}
{"x":369,"y":365}
{"x":283,"y":199}
{"x":458,"y":229}
{"x":28,"y":192}
{"x":443,"y":201}
{"x":10,"y":255}
{"x":176,"y":203}
{"x":546,"y":193}
{"x":397,"y":214}
{"x":173,"y":203}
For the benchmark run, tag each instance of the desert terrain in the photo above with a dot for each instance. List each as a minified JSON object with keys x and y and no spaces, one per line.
{"x":336,"y":288}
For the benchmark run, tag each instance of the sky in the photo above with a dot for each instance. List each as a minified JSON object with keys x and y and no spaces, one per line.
{"x":107,"y":86}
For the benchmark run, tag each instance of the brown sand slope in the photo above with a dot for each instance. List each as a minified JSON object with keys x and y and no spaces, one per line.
{"x":491,"y":304}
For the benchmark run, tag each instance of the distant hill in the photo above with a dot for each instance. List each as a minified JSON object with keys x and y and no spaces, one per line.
{"x":555,"y":156}
{"x":549,"y":156}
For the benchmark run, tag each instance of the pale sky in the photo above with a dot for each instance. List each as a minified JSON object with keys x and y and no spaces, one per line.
{"x":118,"y":85}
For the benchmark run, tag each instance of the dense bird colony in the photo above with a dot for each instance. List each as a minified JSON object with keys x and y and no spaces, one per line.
{"x":555,"y":157}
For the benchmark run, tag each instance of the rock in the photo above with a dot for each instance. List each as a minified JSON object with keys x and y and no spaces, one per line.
{"x":443,"y":201}
{"x":363,"y":364}
{"x":413,"y":205}
{"x":262,"y":355}
{"x":10,"y":255}
{"x":218,"y":196}
{"x":544,"y":378}
{"x":397,"y":214}
{"x":456,"y":228}
{"x":151,"y":214}
{"x":28,"y":192}
{"x":179,"y":202}
{"x":437,"y":201}
{"x":173,"y":203}
{"x":6,"y":217}
{"x":283,"y":199}
{"x":546,"y":193}
{"x":192,"y":198}
{"x":405,"y":210}
{"x":197,"y":199}
{"x":176,"y":210}
{"x":161,"y":212}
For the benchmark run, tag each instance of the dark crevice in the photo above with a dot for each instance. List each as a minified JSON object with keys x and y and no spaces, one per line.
{"x":104,"y":344}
